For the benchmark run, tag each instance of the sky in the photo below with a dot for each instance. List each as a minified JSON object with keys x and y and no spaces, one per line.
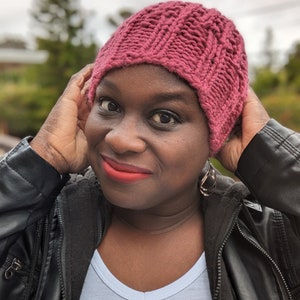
{"x":252,"y":18}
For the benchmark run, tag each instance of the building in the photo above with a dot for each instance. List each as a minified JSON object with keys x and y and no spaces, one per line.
{"x":11,"y":58}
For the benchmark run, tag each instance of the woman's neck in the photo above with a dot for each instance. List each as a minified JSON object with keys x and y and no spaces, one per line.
{"x":153,"y":222}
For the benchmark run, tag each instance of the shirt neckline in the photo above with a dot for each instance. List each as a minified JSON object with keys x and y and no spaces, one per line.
{"x":167,"y":291}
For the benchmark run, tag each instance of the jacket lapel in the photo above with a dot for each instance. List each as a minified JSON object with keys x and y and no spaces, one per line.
{"x":221,"y":210}
{"x":84,"y":225}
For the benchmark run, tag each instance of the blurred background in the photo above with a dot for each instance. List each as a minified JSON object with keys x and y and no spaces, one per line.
{"x":43,"y":42}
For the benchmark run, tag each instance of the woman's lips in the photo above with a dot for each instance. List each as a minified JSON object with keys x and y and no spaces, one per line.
{"x":124,"y":172}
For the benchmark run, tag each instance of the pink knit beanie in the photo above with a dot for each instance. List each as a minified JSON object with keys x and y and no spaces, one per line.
{"x":198,"y":44}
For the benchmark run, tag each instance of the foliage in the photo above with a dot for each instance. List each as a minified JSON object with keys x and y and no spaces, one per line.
{"x":61,"y":31}
{"x":122,"y":15}
{"x":24,"y":106}
{"x":64,"y":60}
{"x":269,"y":55}
{"x":28,"y":93}
{"x":266,"y":81}
{"x":292,"y":68}
{"x":279,"y":90}
{"x":284,"y":107}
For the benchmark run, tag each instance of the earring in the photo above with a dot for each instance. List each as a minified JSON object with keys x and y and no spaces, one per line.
{"x":208,"y":181}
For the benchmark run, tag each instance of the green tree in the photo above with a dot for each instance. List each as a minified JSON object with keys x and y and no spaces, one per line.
{"x":265,"y":81}
{"x":61,"y":30}
{"x":268,"y":51}
{"x":278,"y":88}
{"x":121,"y":16}
{"x":24,"y":105}
{"x":284,"y":106}
{"x":266,"y":77}
{"x":292,"y":68}
{"x":28,"y":93}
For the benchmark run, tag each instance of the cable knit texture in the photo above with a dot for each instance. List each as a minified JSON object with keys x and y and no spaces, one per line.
{"x":200,"y":45}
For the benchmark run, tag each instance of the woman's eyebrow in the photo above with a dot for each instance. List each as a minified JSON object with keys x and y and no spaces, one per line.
{"x":164,"y":96}
{"x":107,"y":84}
{"x":182,"y":97}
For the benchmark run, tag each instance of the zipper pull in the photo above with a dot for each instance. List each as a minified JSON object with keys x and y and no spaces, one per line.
{"x":15,"y":266}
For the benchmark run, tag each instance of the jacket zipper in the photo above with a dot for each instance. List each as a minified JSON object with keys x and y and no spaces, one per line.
{"x":45,"y":255}
{"x":219,"y":256}
{"x":60,"y":240}
{"x":32,"y":270}
{"x":270,"y":259}
{"x":15,"y":266}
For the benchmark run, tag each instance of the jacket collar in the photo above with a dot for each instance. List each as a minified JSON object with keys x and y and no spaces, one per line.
{"x":220,"y":209}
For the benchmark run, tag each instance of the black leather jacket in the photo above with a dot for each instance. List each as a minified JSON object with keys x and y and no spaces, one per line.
{"x":51,"y":224}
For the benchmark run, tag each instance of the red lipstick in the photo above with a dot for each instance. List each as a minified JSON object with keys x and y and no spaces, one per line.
{"x":123,"y":172}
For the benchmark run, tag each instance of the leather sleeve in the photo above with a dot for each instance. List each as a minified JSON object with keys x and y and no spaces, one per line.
{"x":28,"y":187}
{"x":270,"y":167}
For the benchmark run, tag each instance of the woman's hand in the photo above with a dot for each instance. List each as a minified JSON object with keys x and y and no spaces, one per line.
{"x":253,"y":119}
{"x":61,"y":140}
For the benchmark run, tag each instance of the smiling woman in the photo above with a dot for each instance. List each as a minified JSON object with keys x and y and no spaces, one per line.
{"x":146,"y":118}
{"x":144,"y":215}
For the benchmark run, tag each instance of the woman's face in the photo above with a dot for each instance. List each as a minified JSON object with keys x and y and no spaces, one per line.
{"x":147,"y":138}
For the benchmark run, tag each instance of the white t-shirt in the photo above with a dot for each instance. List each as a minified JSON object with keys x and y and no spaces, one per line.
{"x":100,"y":283}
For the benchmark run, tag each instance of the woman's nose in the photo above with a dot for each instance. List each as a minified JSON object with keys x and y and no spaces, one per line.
{"x":125,"y":137}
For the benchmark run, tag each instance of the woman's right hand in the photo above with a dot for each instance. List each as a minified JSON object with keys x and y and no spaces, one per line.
{"x":61,"y":140}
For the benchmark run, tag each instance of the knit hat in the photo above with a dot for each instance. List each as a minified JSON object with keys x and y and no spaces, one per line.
{"x":200,"y":45}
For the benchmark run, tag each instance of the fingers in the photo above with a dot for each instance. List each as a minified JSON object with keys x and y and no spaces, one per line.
{"x":76,"y":92}
{"x":254,"y":116}
{"x":85,"y":89}
{"x":81,"y":77}
{"x":78,"y":85}
{"x":83,"y":112}
{"x":61,"y":140}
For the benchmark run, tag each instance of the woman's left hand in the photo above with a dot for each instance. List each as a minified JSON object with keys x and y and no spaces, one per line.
{"x":253,"y":119}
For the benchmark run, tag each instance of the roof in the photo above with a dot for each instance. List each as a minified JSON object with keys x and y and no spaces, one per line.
{"x":22,"y":56}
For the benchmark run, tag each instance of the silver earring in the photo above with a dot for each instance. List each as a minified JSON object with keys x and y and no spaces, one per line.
{"x":208,"y":181}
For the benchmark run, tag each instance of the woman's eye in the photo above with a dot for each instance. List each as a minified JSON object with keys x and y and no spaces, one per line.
{"x":165,"y":118}
{"x":107,"y":105}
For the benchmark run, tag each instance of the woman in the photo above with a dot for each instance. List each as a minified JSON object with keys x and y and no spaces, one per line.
{"x":151,"y":218}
